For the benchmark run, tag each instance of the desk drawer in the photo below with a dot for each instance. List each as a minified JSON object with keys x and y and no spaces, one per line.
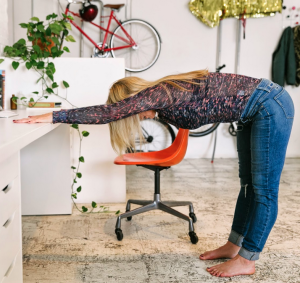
{"x":14,"y":273}
{"x":10,"y":199}
{"x":9,"y":170}
{"x":10,"y":241}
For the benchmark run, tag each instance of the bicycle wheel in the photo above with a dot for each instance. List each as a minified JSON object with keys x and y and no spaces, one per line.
{"x":204,"y":130}
{"x":147,"y":49}
{"x":158,"y":135}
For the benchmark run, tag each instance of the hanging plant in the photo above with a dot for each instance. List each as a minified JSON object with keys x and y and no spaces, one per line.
{"x":44,"y":43}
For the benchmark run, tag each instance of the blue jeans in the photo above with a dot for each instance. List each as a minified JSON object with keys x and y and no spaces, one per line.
{"x":263,"y":134}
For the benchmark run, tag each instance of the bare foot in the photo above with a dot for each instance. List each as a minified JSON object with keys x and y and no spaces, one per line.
{"x":233,"y":267}
{"x":229,"y":250}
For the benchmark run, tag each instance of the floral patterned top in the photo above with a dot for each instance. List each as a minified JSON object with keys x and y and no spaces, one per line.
{"x":219,"y":98}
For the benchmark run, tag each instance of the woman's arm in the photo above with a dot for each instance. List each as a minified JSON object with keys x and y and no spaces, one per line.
{"x":152,"y":98}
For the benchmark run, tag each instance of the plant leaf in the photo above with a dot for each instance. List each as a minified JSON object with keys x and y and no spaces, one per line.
{"x":79,"y":189}
{"x":75,"y":181}
{"x":40,"y":65}
{"x":36,"y":48}
{"x":72,"y":167}
{"x":1,"y":60}
{"x":79,"y":175}
{"x":74,"y":195}
{"x":94,"y":205}
{"x":67,"y":25}
{"x":49,"y":90}
{"x":55,"y":40}
{"x":118,"y":212}
{"x":66,"y":49}
{"x":75,"y":126}
{"x":54,"y":85}
{"x":81,"y":159}
{"x":23,"y":97}
{"x":24,"y":25}
{"x":31,"y":100}
{"x":35,"y":19}
{"x":54,"y":49}
{"x":21,"y":41}
{"x":35,"y":92}
{"x":41,"y":28}
{"x":70,"y":38}
{"x":50,"y":75}
{"x":28,"y":65}
{"x":66,"y":84}
{"x":15,"y":65}
{"x":48,"y":31}
{"x":84,"y":209}
{"x":85,"y":133}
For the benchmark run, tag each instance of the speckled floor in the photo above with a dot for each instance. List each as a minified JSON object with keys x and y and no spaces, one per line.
{"x":156,"y":246}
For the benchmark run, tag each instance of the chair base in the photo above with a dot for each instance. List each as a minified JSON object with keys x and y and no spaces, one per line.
{"x":156,"y":203}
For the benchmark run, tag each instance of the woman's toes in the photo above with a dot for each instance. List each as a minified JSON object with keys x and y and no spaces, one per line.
{"x":219,"y":273}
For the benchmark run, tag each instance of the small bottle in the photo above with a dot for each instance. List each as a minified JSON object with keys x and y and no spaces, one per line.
{"x":13,"y":105}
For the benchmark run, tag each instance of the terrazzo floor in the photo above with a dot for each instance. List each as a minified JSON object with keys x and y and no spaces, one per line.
{"x":156,"y":246}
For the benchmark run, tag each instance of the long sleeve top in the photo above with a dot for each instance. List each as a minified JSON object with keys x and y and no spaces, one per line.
{"x":219,"y":98}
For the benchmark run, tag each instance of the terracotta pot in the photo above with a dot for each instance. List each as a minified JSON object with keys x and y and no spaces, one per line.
{"x":43,"y":46}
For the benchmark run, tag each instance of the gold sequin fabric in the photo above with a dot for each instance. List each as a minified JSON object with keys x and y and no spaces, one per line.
{"x":210,"y":12}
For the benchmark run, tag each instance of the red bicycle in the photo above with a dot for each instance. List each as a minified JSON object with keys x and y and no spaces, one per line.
{"x":135,"y":40}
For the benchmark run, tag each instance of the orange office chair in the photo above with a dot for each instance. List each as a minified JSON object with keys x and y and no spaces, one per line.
{"x":158,"y":161}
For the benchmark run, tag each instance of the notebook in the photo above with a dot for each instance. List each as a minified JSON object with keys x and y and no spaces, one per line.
{"x":7,"y":114}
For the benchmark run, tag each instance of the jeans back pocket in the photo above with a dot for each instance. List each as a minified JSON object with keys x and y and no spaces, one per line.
{"x":286,"y":103}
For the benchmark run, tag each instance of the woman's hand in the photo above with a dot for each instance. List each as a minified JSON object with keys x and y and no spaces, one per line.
{"x":45,"y":118}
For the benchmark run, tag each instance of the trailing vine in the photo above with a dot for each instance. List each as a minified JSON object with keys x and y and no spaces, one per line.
{"x":78,"y":175}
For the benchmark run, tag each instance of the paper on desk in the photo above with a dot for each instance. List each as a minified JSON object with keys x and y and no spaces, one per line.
{"x":7,"y":114}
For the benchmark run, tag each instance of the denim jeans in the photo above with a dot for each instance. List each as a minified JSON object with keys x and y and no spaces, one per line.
{"x":262,"y":138}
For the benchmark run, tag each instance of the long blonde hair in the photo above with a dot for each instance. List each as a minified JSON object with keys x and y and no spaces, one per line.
{"x":124,"y":132}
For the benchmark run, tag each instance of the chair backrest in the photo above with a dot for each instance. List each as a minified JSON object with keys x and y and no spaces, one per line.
{"x":177,"y":150}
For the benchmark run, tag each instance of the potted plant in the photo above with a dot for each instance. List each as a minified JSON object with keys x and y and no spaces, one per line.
{"x":45,"y":40}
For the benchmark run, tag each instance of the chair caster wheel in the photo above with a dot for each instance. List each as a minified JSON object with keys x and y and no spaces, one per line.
{"x":129,"y":217}
{"x":119,"y":234}
{"x":193,"y":237}
{"x":193,"y":216}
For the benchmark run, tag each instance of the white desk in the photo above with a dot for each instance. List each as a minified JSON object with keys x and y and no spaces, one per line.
{"x":38,"y":157}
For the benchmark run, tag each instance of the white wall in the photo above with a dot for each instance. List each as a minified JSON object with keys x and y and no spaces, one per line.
{"x":4,"y":39}
{"x":188,"y":44}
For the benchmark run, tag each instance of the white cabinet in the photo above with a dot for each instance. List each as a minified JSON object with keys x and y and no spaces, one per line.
{"x":10,"y":221}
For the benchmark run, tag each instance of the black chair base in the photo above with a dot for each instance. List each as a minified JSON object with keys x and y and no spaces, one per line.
{"x":156,"y":203}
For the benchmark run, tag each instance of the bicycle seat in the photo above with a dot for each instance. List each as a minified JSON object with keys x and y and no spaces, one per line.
{"x":115,"y":7}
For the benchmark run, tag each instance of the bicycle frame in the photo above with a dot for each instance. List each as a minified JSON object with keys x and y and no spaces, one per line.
{"x":128,"y":41}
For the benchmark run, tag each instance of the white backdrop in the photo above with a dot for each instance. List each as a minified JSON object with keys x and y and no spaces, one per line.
{"x":188,"y":45}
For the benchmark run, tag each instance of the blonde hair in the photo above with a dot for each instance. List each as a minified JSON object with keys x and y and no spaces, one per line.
{"x":124,"y":132}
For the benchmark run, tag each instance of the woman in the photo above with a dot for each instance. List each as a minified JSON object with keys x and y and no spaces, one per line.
{"x":265,"y":113}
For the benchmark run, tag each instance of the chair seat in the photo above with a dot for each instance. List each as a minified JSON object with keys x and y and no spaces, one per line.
{"x":166,"y":157}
